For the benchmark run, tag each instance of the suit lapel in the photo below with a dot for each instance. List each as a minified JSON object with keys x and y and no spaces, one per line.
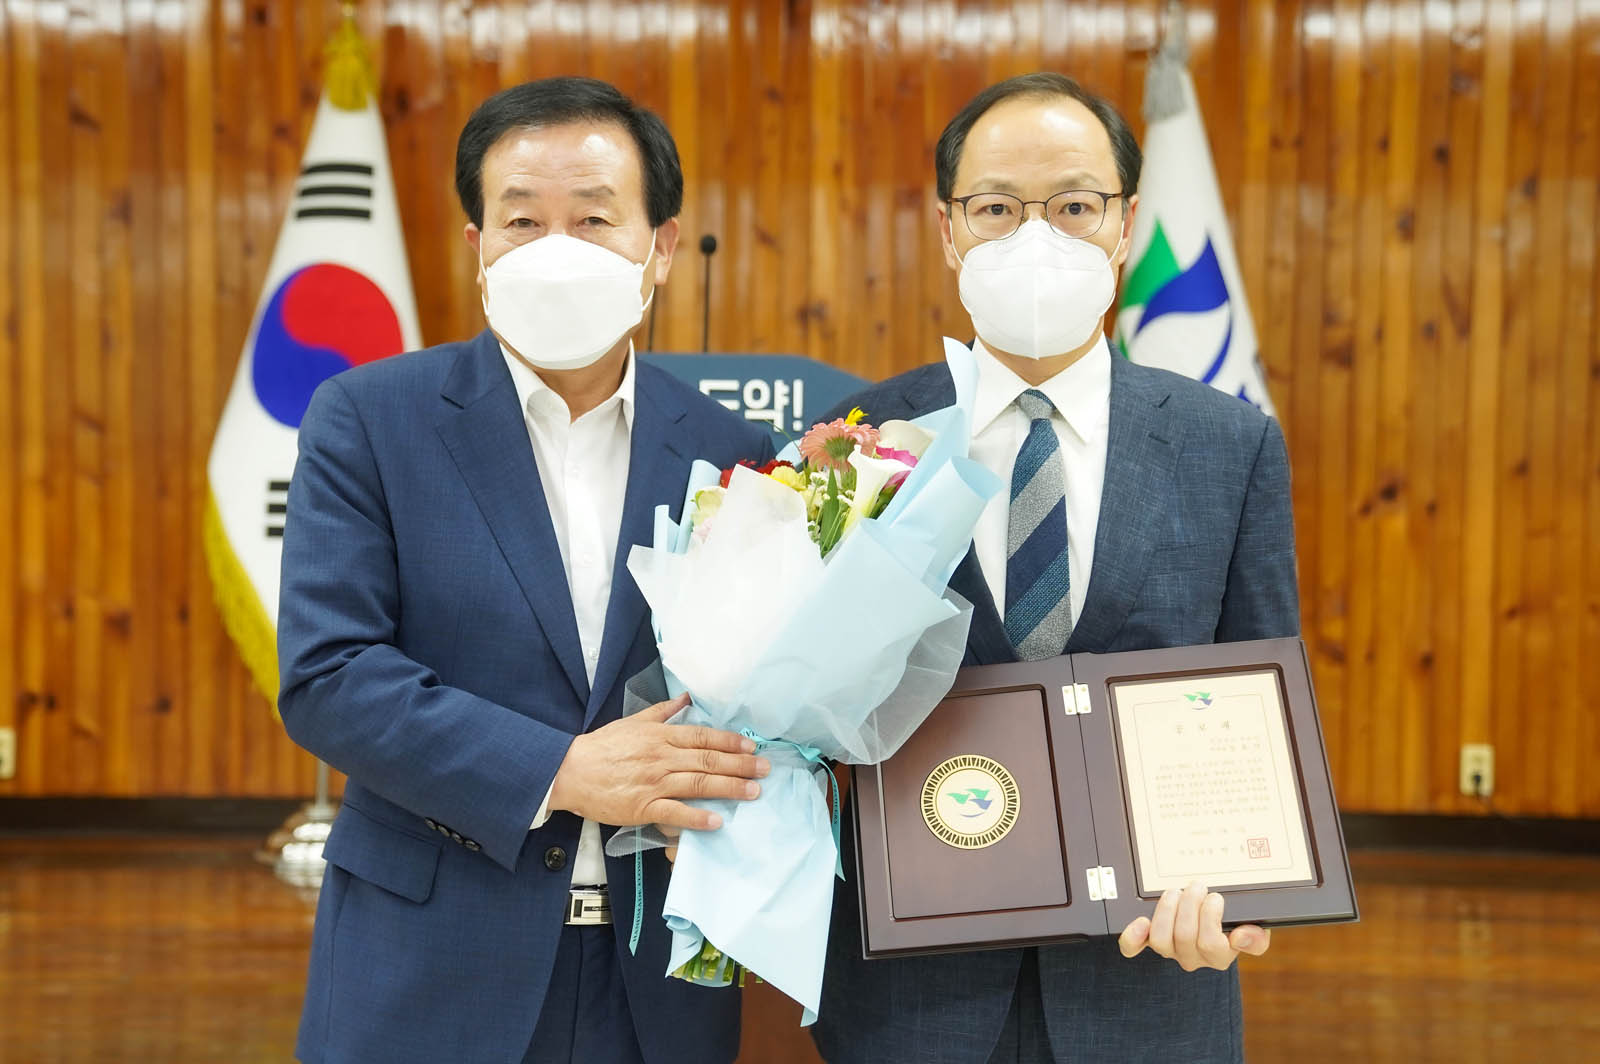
{"x":487,"y":437}
{"x":987,"y":643}
{"x":658,"y":469}
{"x":1140,"y":455}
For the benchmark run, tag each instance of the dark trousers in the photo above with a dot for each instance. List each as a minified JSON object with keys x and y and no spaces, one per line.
{"x":585,"y":1019}
{"x":1024,"y":1039}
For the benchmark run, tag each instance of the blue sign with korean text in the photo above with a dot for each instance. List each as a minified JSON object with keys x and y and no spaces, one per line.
{"x":787,"y":393}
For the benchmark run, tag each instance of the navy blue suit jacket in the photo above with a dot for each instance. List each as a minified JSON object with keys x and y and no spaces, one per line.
{"x":429,"y":650}
{"x":1195,"y":544}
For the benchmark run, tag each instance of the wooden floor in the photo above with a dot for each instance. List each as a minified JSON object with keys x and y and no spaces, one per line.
{"x":177,"y":949}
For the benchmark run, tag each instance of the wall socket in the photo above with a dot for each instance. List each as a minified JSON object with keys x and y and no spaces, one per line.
{"x":8,"y":753}
{"x":1477,"y":760}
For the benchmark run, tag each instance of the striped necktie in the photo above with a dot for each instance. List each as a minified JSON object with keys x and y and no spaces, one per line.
{"x":1038,"y":608}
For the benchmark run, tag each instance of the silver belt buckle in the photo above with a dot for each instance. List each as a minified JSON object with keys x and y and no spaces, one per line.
{"x":588,"y":907}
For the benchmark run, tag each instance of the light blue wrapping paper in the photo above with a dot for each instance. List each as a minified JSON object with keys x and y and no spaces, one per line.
{"x":846,"y":657}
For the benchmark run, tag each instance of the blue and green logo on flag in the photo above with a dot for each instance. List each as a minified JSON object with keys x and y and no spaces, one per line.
{"x":1183,"y":303}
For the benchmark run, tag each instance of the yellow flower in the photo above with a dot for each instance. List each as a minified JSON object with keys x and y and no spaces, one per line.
{"x":707,"y":501}
{"x":789,"y":477}
{"x":855,"y":416}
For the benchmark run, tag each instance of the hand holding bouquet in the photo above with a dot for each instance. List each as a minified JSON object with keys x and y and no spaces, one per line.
{"x":804,"y":603}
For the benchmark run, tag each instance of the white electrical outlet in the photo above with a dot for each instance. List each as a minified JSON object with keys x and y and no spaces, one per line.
{"x":8,"y":753}
{"x":1477,"y":770}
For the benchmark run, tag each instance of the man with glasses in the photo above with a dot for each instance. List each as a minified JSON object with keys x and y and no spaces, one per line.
{"x":1146,"y":510}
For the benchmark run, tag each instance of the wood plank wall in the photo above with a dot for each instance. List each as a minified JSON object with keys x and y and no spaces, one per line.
{"x":1413,"y":189}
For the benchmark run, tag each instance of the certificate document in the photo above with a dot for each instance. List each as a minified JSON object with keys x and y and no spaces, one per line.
{"x":1049,"y":800}
{"x":1212,"y":788}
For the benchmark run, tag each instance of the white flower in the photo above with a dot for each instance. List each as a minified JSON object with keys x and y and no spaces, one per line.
{"x":904,"y":436}
{"x":871,"y":475}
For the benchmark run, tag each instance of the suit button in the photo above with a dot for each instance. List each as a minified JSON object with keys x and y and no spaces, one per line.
{"x":555,"y":858}
{"x":456,"y":835}
{"x":472,"y":845}
{"x":433,"y":825}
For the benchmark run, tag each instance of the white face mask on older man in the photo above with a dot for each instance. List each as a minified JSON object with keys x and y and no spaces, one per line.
{"x":561,"y":302}
{"x":1037,"y":293}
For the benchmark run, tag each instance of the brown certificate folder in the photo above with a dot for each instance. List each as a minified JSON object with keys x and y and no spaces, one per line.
{"x":1052,"y":800}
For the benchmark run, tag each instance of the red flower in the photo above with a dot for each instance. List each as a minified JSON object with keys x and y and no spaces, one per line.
{"x":765,"y":470}
{"x":727,"y":474}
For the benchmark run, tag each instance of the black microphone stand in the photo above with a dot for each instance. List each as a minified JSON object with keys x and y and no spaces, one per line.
{"x":708,"y":247}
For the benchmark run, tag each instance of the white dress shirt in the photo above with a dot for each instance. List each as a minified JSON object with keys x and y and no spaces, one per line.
{"x":1082,"y":397}
{"x":583,"y":466}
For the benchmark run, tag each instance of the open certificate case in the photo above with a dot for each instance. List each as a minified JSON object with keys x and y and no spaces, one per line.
{"x":1052,"y":800}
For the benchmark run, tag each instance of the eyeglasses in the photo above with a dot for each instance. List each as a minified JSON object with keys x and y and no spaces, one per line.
{"x":1078,"y":212}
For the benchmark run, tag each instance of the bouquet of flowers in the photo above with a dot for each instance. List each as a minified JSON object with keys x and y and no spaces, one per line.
{"x":805,"y":604}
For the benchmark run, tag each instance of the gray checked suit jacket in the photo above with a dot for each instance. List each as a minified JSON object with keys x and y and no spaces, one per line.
{"x":1195,"y":544}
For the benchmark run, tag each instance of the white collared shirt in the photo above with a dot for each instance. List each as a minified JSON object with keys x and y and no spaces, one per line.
{"x":583,"y":466}
{"x":1082,"y":397}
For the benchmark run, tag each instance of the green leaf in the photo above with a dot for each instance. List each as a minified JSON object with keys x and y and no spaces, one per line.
{"x":831,"y":516}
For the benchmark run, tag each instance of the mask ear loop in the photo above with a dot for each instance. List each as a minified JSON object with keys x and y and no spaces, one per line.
{"x":1121,"y":236}
{"x":651,"y":298}
{"x":483,"y":271}
{"x":951,"y":215}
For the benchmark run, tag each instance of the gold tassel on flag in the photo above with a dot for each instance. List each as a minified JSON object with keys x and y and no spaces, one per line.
{"x":348,"y":74}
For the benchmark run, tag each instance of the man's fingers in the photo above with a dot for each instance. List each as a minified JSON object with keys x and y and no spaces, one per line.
{"x":1186,"y":928}
{"x":707,"y":785}
{"x":1161,"y":923}
{"x":1134,"y":937}
{"x":672,"y":834}
{"x":670,"y":813}
{"x":1214,"y":945}
{"x":718,"y":763}
{"x":662,"y":712}
{"x":1248,"y":938}
{"x":699,"y":737}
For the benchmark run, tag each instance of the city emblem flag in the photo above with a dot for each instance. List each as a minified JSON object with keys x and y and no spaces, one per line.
{"x":1183,"y":303}
{"x":337,"y":294}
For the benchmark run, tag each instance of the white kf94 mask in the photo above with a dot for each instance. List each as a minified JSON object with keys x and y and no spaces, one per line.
{"x":1036,"y":293}
{"x":561,"y":302}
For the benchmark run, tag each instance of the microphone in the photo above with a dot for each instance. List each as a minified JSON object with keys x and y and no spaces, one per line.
{"x":708,"y":247}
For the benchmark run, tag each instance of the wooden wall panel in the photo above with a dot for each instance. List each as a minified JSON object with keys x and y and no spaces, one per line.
{"x":1413,"y":188}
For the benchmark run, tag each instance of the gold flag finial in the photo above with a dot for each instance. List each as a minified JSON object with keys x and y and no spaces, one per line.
{"x":348,"y":74}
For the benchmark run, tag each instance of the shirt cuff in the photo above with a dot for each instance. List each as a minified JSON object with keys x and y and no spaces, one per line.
{"x":543,"y":814}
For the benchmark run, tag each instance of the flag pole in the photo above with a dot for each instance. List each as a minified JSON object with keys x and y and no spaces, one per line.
{"x":295,"y":849}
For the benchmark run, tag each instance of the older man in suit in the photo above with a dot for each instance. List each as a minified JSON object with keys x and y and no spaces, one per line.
{"x":457,"y":625}
{"x":1146,"y":510}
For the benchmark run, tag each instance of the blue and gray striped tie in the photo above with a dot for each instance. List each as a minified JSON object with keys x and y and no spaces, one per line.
{"x":1038,"y":608}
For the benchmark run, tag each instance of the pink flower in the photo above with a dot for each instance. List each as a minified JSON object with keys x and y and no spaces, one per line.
{"x":905,"y":457}
{"x":828,"y":446}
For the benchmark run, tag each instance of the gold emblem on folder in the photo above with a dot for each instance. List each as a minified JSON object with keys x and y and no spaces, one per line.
{"x":970,"y":802}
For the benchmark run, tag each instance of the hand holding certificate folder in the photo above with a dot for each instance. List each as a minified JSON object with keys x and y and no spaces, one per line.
{"x":1057,"y":799}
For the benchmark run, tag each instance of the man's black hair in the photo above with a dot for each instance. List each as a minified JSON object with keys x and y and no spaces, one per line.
{"x":1044,"y":84}
{"x":556,"y":101}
